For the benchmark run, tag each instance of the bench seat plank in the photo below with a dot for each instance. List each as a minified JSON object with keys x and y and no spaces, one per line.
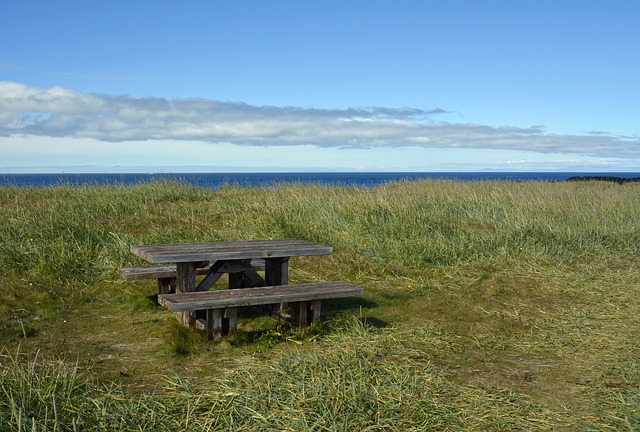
{"x":218,"y":299}
{"x":153,"y":272}
{"x":169,"y":271}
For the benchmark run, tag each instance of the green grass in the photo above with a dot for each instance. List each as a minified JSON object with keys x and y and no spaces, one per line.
{"x":488,"y":306}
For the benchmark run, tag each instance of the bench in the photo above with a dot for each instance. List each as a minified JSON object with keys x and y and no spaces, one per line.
{"x":166,"y":274}
{"x":221,"y":305}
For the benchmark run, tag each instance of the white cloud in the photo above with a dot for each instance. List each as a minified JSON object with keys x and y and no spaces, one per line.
{"x":60,"y":112}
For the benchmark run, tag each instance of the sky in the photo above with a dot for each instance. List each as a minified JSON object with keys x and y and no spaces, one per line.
{"x":349,"y":85}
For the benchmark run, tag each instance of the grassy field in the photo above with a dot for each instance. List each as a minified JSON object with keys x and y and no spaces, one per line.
{"x":488,"y":306}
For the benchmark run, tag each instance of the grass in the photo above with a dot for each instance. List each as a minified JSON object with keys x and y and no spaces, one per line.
{"x":489,"y":306}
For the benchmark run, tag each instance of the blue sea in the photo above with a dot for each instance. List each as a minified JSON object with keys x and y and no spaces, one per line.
{"x":214,"y":180}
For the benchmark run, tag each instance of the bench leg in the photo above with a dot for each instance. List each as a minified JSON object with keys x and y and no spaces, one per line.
{"x":165,"y":285}
{"x":315,"y":309}
{"x":230,"y":322}
{"x":214,"y":324}
{"x":299,"y":313}
{"x":221,"y":322}
{"x":305,"y":313}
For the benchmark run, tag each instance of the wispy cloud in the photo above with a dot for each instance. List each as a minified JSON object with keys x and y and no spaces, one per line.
{"x":61,"y":112}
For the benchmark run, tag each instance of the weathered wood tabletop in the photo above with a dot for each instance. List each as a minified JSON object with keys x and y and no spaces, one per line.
{"x":214,"y":251}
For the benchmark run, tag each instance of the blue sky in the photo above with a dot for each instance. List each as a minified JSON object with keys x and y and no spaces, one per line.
{"x":517,"y":85}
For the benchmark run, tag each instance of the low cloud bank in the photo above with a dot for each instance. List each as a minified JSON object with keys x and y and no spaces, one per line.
{"x":61,"y":112}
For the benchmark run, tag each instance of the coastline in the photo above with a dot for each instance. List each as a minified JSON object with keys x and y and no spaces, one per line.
{"x":360,"y":179}
{"x":613,"y":179}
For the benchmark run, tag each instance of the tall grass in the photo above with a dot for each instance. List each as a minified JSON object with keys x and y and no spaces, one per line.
{"x":46,"y":395}
{"x":382,"y":381}
{"x":500,"y":306}
{"x":68,"y":236}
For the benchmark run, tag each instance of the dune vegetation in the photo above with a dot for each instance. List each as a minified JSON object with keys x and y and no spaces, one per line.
{"x":488,"y":306}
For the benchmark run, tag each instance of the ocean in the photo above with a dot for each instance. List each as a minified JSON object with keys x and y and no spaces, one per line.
{"x":214,"y":180}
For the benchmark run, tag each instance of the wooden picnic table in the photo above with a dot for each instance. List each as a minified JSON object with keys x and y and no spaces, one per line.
{"x":232,"y":258}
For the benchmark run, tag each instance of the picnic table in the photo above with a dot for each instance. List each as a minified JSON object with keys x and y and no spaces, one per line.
{"x":232,"y":258}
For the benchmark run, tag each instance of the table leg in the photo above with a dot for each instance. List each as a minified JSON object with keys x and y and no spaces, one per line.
{"x":236,"y":280}
{"x":276,"y":272}
{"x":186,"y":282}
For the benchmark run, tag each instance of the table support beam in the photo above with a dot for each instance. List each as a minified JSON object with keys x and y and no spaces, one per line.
{"x":211,"y":278}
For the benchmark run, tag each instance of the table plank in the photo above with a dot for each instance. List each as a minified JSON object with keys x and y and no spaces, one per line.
{"x":212,"y":251}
